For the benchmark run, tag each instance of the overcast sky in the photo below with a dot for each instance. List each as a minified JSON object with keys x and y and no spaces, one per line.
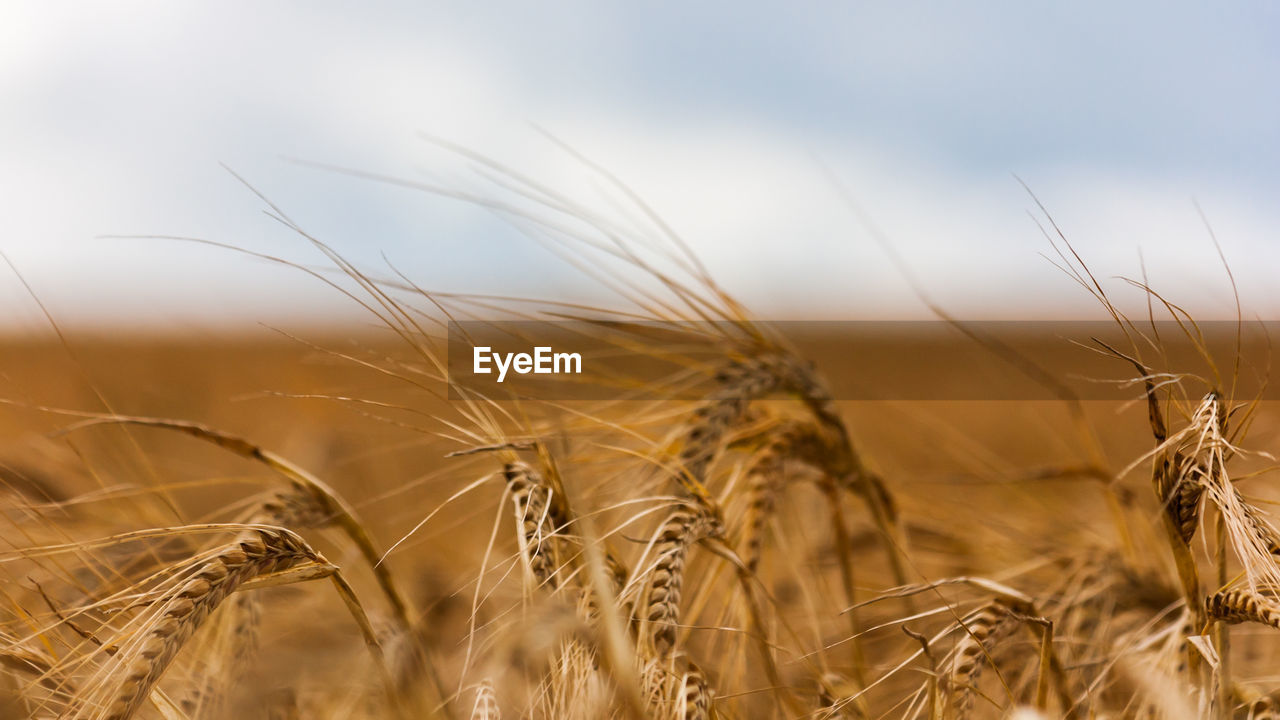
{"x":117,"y":118}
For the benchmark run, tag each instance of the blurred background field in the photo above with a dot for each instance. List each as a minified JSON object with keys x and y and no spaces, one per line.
{"x":996,"y":489}
{"x":297,"y":398}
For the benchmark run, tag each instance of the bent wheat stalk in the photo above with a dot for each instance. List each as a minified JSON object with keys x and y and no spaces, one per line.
{"x":984,"y":630}
{"x":743,"y":381}
{"x":809,"y":443}
{"x":325,"y":497}
{"x":234,"y":634}
{"x":145,"y":656}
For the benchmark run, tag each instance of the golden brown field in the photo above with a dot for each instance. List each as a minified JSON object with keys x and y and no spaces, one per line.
{"x":323,"y":527}
{"x":973,"y":486}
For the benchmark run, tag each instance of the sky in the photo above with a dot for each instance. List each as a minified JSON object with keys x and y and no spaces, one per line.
{"x":753,"y":129}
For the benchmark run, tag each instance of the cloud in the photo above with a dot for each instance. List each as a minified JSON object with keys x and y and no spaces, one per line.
{"x":117,"y":119}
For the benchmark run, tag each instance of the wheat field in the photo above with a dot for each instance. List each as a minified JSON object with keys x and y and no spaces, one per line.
{"x":309,"y":525}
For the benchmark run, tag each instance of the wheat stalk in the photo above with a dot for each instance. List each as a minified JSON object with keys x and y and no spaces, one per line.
{"x":191,"y":594}
{"x":983,"y":630}
{"x":681,"y":530}
{"x":143,"y":659}
{"x":739,"y":383}
{"x":535,"y":522}
{"x":234,"y":632}
{"x":304,"y":484}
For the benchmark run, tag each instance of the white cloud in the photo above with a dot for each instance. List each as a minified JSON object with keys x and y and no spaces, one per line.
{"x":116,"y":119}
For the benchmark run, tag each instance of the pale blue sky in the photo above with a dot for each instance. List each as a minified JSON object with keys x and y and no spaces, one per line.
{"x":114,"y":120}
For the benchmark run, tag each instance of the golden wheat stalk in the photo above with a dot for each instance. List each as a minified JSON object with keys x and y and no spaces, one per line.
{"x":843,"y":463}
{"x":740,"y":382}
{"x":763,"y":482}
{"x":145,"y":657}
{"x":535,"y":522}
{"x":744,"y":381}
{"x":983,"y":630}
{"x":258,"y":557}
{"x":802,"y":441}
{"x":331,"y":504}
{"x":681,"y":530}
{"x":1180,"y":483}
{"x":234,"y":632}
{"x":233,"y":642}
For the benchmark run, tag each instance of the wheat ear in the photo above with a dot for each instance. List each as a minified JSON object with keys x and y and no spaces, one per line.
{"x":984,"y":629}
{"x":682,"y":529}
{"x":235,"y":628}
{"x":740,"y":383}
{"x":1237,"y":606}
{"x":1180,"y":483}
{"x":695,"y":693}
{"x":145,"y":658}
{"x":340,"y":512}
{"x":535,"y":521}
